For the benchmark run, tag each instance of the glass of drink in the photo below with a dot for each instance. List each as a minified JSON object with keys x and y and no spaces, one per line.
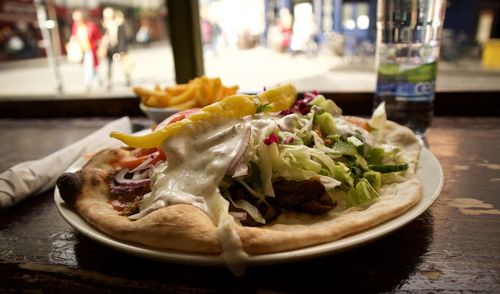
{"x":408,"y":38}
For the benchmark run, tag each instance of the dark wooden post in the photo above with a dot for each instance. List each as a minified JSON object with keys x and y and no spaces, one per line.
{"x":185,"y":37}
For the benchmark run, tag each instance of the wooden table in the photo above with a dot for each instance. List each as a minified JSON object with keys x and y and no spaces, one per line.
{"x":452,"y":247}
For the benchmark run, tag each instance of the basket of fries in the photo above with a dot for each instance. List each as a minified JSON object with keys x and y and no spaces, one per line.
{"x":159,"y":103}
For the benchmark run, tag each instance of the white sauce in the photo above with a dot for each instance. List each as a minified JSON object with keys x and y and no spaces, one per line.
{"x":346,"y":128}
{"x":198,"y":159}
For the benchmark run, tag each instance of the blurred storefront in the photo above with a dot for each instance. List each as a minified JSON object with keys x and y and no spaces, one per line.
{"x":19,"y":31}
{"x":297,"y":26}
{"x":20,"y":35}
{"x":344,"y":27}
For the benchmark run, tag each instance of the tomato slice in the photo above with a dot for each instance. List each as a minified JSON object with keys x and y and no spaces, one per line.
{"x":133,"y":162}
{"x":358,"y":122}
{"x":177,"y":117}
{"x":141,"y":154}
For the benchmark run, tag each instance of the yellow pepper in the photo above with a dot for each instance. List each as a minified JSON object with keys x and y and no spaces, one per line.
{"x":279,"y":98}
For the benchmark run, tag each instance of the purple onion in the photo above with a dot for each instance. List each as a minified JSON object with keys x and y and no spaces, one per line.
{"x":239,"y":215}
{"x":121,"y":180}
{"x":301,"y":105}
{"x":241,"y":151}
{"x":272,"y":138}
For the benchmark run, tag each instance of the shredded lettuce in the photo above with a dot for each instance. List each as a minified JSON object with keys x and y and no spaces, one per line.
{"x":373,"y":178}
{"x":389,"y":168}
{"x":266,"y":172}
{"x":342,"y":173}
{"x":319,"y":144}
{"x":252,"y":191}
{"x":375,"y":155}
{"x":329,"y":183}
{"x":344,"y":148}
{"x":327,"y":105}
{"x":361,"y":162}
{"x":264,"y":161}
{"x":304,"y":133}
{"x":249,"y":208}
{"x":360,"y":145}
{"x":361,"y":194}
{"x":390,"y":178}
{"x":303,"y":167}
{"x":300,"y":157}
{"x":325,"y":122}
{"x":307,"y":158}
{"x":289,"y":138}
{"x":352,"y":169}
{"x":355,"y":141}
{"x":378,"y":120}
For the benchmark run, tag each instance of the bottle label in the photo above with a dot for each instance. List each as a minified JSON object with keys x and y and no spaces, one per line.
{"x":414,"y":82}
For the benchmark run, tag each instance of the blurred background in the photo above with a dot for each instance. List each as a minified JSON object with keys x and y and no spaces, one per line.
{"x":325,"y":45}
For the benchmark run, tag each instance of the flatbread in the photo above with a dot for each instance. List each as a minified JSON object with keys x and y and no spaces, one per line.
{"x":186,"y":228}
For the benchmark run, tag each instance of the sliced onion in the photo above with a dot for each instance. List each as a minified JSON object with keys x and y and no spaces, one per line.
{"x":289,"y":140}
{"x":240,"y":170}
{"x":120,"y":190}
{"x":118,"y":205}
{"x":249,"y":208}
{"x":145,"y":163}
{"x":120,"y":179}
{"x":241,"y":216}
{"x":142,"y":174}
{"x":241,"y":151}
{"x":156,"y":205}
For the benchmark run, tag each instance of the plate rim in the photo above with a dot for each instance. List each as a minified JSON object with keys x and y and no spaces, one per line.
{"x":167,"y":109}
{"x":311,"y":252}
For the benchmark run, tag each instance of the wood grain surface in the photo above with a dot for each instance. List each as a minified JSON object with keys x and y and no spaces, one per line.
{"x":454,"y":247}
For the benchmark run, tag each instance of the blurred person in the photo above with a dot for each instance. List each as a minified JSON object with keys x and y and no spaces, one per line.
{"x":274,"y":36}
{"x":143,"y":35}
{"x":304,"y":29}
{"x":335,"y":42}
{"x":15,"y":46}
{"x":280,"y":31}
{"x":88,"y":35}
{"x":210,"y":35}
{"x":285,"y":21}
{"x":11,"y":42}
{"x":210,"y":30}
{"x":115,"y":43}
{"x":24,"y":32}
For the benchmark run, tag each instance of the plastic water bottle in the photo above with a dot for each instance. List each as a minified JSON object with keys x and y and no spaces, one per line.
{"x":408,"y":37}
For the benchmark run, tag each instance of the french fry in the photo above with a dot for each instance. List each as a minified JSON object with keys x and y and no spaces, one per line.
{"x":197,"y":92}
{"x":187,"y":95}
{"x":205,"y":90}
{"x":218,"y":90}
{"x":157,"y":101}
{"x":201,"y":99}
{"x":186,"y":105}
{"x":230,"y":91}
{"x":143,"y":92}
{"x":176,"y":90}
{"x":145,"y":101}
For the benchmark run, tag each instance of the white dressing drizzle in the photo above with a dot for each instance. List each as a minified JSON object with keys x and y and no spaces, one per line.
{"x":198,"y":159}
{"x":346,"y":128}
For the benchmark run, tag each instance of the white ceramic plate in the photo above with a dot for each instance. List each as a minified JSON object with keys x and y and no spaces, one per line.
{"x":429,"y":172}
{"x":157,"y":114}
